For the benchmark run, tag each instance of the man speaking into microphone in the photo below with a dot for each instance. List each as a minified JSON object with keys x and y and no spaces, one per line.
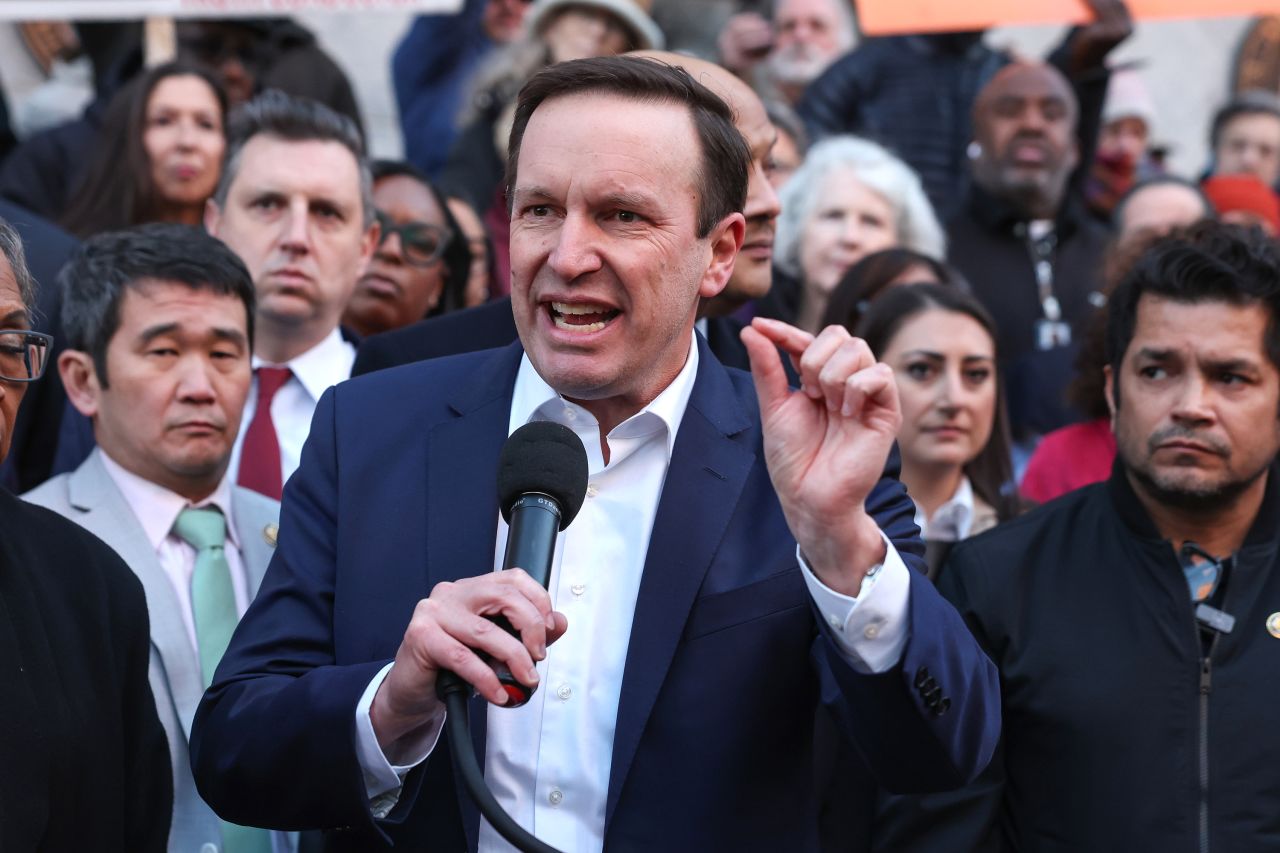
{"x":740,"y":555}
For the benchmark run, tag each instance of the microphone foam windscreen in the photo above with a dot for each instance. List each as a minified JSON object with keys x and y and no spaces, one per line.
{"x":545,"y":457}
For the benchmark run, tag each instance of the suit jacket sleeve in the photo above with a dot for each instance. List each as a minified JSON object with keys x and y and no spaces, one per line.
{"x":280,"y":708}
{"x":967,"y":818}
{"x":932,"y":722}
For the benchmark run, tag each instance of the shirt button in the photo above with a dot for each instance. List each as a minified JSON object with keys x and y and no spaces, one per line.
{"x":834,"y":621}
{"x":592,"y":490}
{"x":208,"y":848}
{"x":564,"y":692}
{"x":570,"y":413}
{"x":556,"y":797}
{"x":871,"y":631}
{"x":578,"y":589}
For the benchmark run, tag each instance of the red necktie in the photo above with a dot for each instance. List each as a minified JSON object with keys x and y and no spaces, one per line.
{"x":260,"y":454}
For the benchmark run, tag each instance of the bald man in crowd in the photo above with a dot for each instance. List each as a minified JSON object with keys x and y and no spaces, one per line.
{"x":1025,"y":241}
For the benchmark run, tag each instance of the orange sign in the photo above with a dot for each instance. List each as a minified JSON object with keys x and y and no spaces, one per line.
{"x":887,"y":17}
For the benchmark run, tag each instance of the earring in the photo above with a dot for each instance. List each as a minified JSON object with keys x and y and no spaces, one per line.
{"x":974,"y":150}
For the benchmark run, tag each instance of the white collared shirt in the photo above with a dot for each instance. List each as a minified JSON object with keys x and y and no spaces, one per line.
{"x":548,"y":763}
{"x":952,"y":521}
{"x":157,"y":509}
{"x":314,"y":372}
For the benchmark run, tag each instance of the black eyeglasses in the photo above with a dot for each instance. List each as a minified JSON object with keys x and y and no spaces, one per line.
{"x":23,"y":354}
{"x":421,"y":243}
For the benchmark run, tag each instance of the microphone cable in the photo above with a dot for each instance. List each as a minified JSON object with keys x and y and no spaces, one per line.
{"x":453,"y":691}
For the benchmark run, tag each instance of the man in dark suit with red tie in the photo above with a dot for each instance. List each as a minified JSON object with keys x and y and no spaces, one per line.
{"x":295,"y":202}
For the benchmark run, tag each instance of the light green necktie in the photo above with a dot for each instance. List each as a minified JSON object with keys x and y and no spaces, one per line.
{"x":213,"y":605}
{"x":213,"y":599}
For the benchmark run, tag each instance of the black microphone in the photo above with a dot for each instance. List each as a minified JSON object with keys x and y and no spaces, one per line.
{"x":542,"y":482}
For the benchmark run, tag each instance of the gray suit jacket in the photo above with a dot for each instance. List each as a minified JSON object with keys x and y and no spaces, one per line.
{"x":89,"y":497}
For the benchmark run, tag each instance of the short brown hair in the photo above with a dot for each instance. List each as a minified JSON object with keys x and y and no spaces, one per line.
{"x":722,"y":176}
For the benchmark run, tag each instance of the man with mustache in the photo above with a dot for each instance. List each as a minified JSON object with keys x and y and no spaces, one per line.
{"x":1024,"y":240}
{"x":1136,"y":622}
{"x":295,"y":202}
{"x":492,"y":325}
{"x":159,"y":322}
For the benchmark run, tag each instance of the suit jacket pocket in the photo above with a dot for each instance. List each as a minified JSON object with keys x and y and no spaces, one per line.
{"x":721,"y":610}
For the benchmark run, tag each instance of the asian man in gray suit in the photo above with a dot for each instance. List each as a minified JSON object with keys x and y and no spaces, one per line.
{"x":159,"y":321}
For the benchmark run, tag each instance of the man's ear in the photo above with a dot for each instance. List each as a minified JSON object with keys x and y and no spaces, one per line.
{"x":80,"y":379}
{"x":212,"y":217}
{"x":1109,"y":389}
{"x":725,"y":240}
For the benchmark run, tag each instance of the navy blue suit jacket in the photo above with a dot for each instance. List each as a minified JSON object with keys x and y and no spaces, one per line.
{"x":727,"y":660}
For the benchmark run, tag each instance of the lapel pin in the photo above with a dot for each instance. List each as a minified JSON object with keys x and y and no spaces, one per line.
{"x":1273,"y":625}
{"x":272,"y":532}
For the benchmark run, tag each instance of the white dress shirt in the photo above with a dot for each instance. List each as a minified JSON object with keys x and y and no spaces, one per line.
{"x":157,"y":509}
{"x":548,"y":762}
{"x":952,"y":521}
{"x":325,"y":364}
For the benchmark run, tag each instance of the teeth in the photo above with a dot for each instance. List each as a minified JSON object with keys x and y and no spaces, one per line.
{"x":578,"y":327}
{"x":565,"y":308}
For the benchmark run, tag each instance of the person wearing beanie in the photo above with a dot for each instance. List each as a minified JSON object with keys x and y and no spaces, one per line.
{"x":1121,"y":160}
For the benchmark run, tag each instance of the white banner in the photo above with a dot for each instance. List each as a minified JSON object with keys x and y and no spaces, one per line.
{"x":44,"y":10}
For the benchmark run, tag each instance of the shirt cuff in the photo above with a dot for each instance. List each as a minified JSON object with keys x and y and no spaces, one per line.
{"x":870,"y":630}
{"x":382,"y":779}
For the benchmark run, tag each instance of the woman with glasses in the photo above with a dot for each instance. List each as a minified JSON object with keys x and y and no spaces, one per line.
{"x":422,"y":262}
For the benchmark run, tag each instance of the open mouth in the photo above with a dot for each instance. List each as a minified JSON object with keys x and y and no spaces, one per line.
{"x":581,"y":318}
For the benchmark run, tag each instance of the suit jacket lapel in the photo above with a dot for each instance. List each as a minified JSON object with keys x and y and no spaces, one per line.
{"x":91,"y":491}
{"x":704,"y":481}
{"x":462,"y":504}
{"x":251,"y":526}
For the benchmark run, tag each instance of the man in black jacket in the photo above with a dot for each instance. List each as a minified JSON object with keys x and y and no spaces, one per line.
{"x":914,"y":93}
{"x":1136,"y":623}
{"x":1024,"y":241}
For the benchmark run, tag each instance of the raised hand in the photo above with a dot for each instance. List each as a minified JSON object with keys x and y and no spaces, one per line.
{"x":745,"y":40}
{"x":826,"y":444}
{"x":1111,"y":25}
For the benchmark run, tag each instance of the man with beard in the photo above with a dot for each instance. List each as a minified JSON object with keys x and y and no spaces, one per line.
{"x":1136,"y":622}
{"x":492,"y":325}
{"x":1025,"y":241}
{"x":784,"y":57}
{"x":914,"y":93}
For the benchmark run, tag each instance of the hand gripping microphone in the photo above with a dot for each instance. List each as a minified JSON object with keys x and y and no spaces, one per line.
{"x":542,"y":481}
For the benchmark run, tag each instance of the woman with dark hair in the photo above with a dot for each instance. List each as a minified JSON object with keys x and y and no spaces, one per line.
{"x":422,"y":262}
{"x":954,"y":440}
{"x":160,"y":156}
{"x":876,"y":273}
